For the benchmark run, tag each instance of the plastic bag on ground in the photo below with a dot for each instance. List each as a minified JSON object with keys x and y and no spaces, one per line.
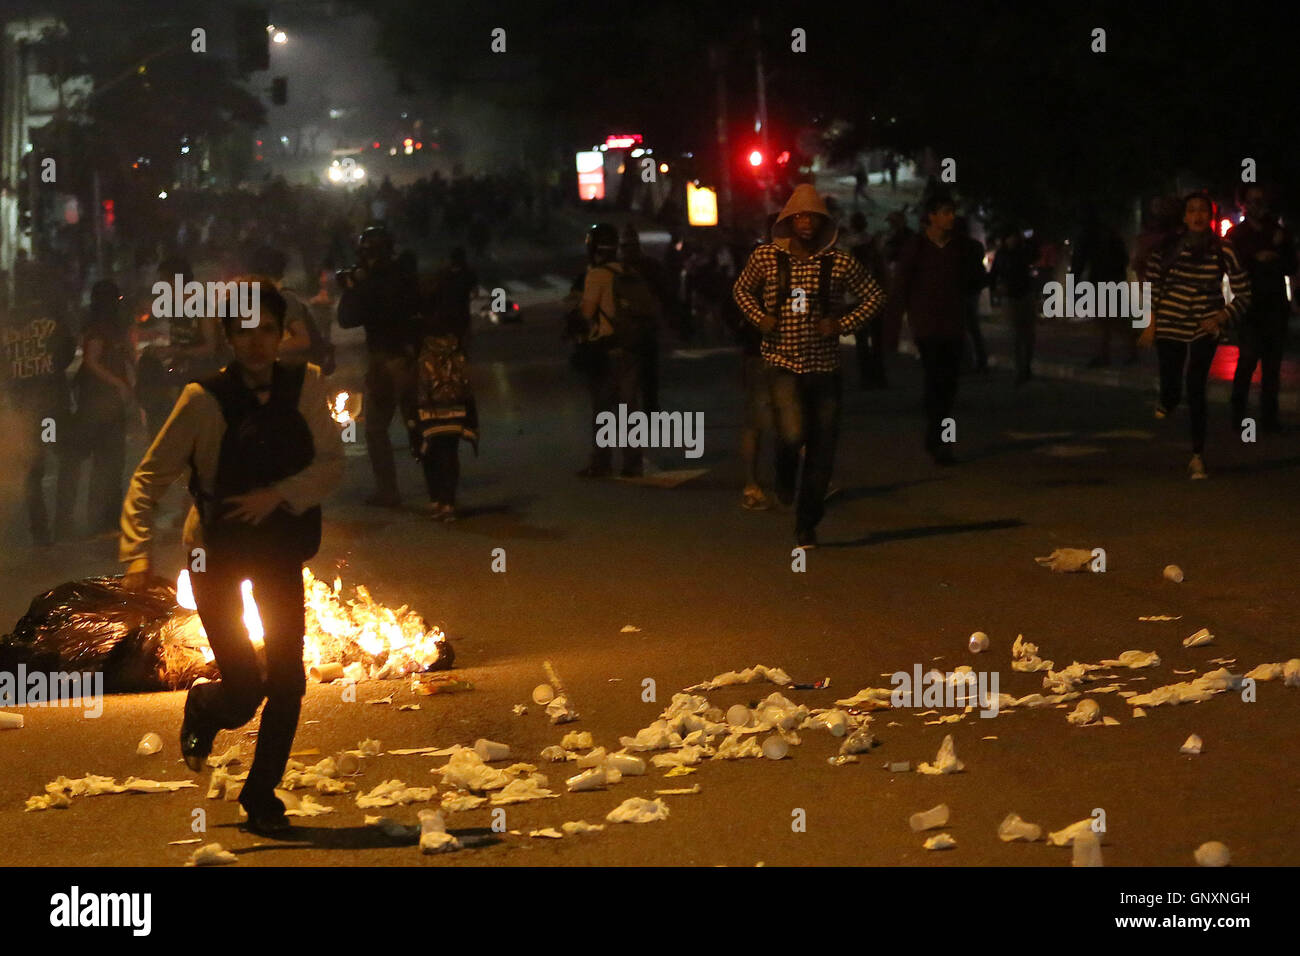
{"x":213,"y":854}
{"x":1065,"y":837}
{"x":1067,"y":559}
{"x":434,"y":837}
{"x":1014,"y":828}
{"x":945,"y":761}
{"x":638,"y":810}
{"x":519,"y":791}
{"x":750,"y":675}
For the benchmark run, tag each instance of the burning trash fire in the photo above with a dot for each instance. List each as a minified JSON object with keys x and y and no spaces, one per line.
{"x":345,"y":407}
{"x":388,"y":643}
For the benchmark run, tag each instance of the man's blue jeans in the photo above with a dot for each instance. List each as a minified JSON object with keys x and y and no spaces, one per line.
{"x":807,"y":408}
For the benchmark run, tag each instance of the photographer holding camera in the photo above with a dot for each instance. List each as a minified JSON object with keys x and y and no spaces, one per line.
{"x":381,"y":296}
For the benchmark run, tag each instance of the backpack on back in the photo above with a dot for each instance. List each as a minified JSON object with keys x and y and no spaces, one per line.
{"x":825,"y":266}
{"x":636,"y":309}
{"x":262,"y":444}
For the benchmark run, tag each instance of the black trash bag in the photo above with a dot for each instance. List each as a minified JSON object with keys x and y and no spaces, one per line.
{"x":139,"y":640}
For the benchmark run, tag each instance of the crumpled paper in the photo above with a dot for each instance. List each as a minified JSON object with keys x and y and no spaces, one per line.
{"x":581,"y":826}
{"x":557,"y":754}
{"x":49,"y":801}
{"x":560,"y":711}
{"x":434,"y":837}
{"x":940,"y":841}
{"x":626,"y":764}
{"x":393,"y":793}
{"x":229,"y":757}
{"x":1192,"y":745}
{"x":685,"y":704}
{"x":519,"y":791}
{"x":1134,"y":660}
{"x":750,"y":675}
{"x":1199,"y":639}
{"x":945,"y":762}
{"x":549,"y":833}
{"x":308,"y":806}
{"x":1067,"y":559}
{"x":1024,"y":657}
{"x":1063,"y":681}
{"x":869,"y":698}
{"x":1085,"y":713}
{"x":467,"y":771}
{"x":638,"y":810}
{"x":213,"y":854}
{"x":459,"y":802}
{"x":736,"y":747}
{"x":1202,"y":688}
{"x":593,"y":758}
{"x":591,"y":779}
{"x":686,"y":757}
{"x":577,"y":740}
{"x":657,"y":736}
{"x":859,"y":742}
{"x":1066,"y":836}
{"x":370,"y":748}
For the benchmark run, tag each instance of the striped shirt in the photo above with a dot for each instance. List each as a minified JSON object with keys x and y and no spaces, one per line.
{"x":795,"y":344}
{"x":1191,"y":290}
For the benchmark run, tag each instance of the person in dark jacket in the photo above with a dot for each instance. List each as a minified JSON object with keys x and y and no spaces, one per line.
{"x":1013,"y":272}
{"x":1099,"y":256}
{"x":383,"y":298}
{"x":1267,"y":251}
{"x":931,"y":286}
{"x":654,"y":272}
{"x":979,"y":278}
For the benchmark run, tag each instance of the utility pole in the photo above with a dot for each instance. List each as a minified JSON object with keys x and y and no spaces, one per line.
{"x":718,"y":61}
{"x":760,"y":120}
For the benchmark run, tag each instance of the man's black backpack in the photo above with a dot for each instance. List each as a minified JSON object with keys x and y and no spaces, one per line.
{"x":263,"y":444}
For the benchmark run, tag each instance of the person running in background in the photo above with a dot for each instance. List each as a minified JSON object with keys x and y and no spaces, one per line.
{"x":1186,"y":275}
{"x":1267,"y":251}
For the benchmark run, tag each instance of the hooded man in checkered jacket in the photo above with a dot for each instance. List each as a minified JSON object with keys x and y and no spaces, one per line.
{"x":793,"y":288}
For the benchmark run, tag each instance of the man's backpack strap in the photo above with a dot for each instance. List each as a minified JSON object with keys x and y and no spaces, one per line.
{"x":782,"y":278}
{"x":827,"y":267}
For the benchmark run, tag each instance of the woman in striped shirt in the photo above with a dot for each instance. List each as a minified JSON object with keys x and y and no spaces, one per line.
{"x":1186,"y":274}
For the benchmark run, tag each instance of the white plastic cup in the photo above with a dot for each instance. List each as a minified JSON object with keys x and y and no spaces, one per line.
{"x":324,"y":673}
{"x":979,"y":642}
{"x":1213,"y":853}
{"x":626,"y":764}
{"x":929,"y":819}
{"x":543,"y":694}
{"x":490,"y":750}
{"x":739,"y":715}
{"x":1087,"y":849}
{"x":149,"y":745}
{"x":837,"y":722}
{"x":775,"y":747}
{"x":592,"y":779}
{"x":11,"y":721}
{"x":1014,"y":828}
{"x":1174,"y":573}
{"x":348,"y":765}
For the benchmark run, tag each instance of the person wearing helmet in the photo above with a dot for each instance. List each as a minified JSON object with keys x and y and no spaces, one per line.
{"x":383,"y":298}
{"x":617,"y":379}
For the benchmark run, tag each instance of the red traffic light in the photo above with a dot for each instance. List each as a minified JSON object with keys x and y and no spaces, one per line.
{"x":755,"y":158}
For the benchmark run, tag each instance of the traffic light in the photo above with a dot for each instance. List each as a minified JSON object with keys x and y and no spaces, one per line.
{"x":280,"y":90}
{"x":252,"y":45}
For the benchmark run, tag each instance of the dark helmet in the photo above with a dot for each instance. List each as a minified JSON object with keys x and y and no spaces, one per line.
{"x":375,"y":242}
{"x":602,"y":239}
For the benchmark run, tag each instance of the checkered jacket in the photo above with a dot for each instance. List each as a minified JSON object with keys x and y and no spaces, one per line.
{"x":795,"y":343}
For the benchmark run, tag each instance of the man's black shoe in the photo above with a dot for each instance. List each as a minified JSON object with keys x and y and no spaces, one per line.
{"x":196,"y":742}
{"x":267,"y":824}
{"x":806,"y":539}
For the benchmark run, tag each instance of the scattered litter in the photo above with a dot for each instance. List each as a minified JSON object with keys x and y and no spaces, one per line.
{"x":135,"y":785}
{"x":1199,"y":639}
{"x":543,"y":694}
{"x":685,"y":791}
{"x":355,"y":672}
{"x":626,"y":764}
{"x":869,"y":698}
{"x":1223,"y":661}
{"x":213,"y":854}
{"x":149,"y":745}
{"x":231,"y":756}
{"x":408,"y":707}
{"x":10,"y":721}
{"x":184,"y":842}
{"x":394,"y":829}
{"x":425,"y":751}
{"x":940,"y":841}
{"x":899,"y":766}
{"x":750,"y":675}
{"x":658,"y":736}
{"x":1203,"y":688}
{"x":434,"y":837}
{"x":559,"y":709}
{"x":1014,"y":828}
{"x":1192,"y":745}
{"x":430,"y":684}
{"x":382,"y":700}
{"x":550,"y":833}
{"x":1108,"y":722}
{"x":681,"y":771}
{"x":308,"y":806}
{"x":50,"y":801}
{"x":489,"y":750}
{"x":945,"y":762}
{"x":459,"y":802}
{"x":557,"y":754}
{"x":1139,"y":712}
{"x":1213,"y":853}
{"x":593,"y":779}
{"x":734,"y":748}
{"x":979,"y":642}
{"x":467,"y":771}
{"x":629,"y":629}
{"x":638,"y":810}
{"x":577,"y":740}
{"x":775,"y":748}
{"x":309,"y":752}
{"x":369,"y":748}
{"x":740,"y":716}
{"x":1024,"y":657}
{"x":990,"y":737}
{"x":1087,"y":849}
{"x":1193,"y":671}
{"x":1173,"y":573}
{"x":1085,"y":713}
{"x":519,"y":710}
{"x":1067,"y":559}
{"x":1135,"y":660}
{"x":393,"y":793}
{"x":1161,"y":617}
{"x":581,"y":826}
{"x":842,"y":759}
{"x":686,"y":757}
{"x":1066,"y":836}
{"x":859,"y":742}
{"x":836,"y":721}
{"x":520,"y":791}
{"x":929,"y":819}
{"x":592,"y":759}
{"x":893,"y":723}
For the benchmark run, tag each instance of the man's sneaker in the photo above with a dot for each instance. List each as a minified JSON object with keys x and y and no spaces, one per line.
{"x":1196,"y":467}
{"x":196,"y":742}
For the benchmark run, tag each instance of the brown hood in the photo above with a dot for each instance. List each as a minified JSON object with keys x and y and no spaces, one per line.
{"x":805,"y":199}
